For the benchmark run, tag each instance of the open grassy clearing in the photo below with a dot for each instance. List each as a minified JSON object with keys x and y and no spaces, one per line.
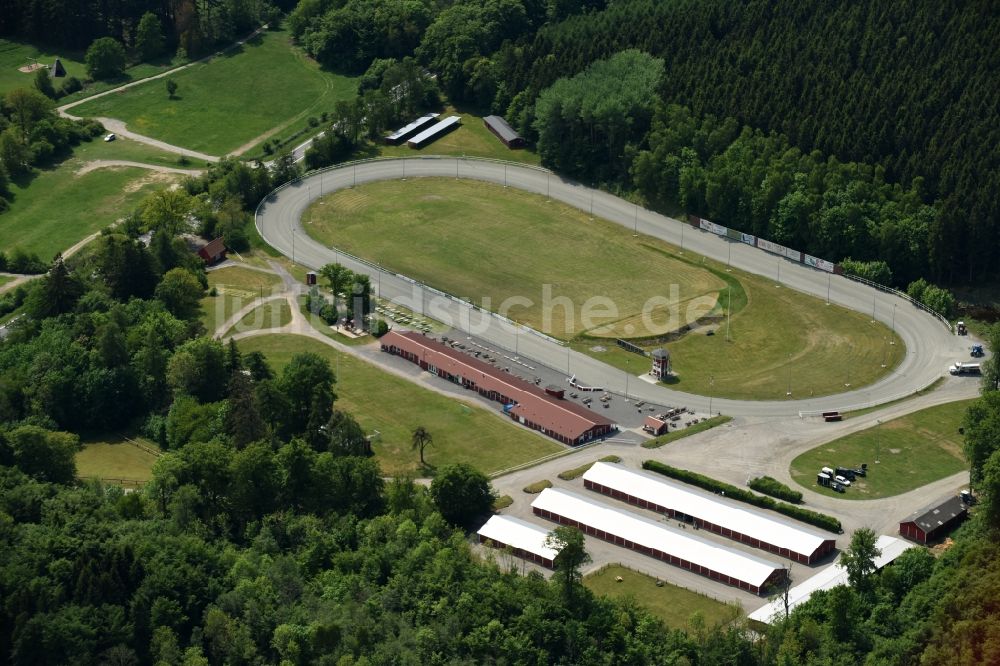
{"x":231,"y":100}
{"x":273,"y":314}
{"x":395,"y":406}
{"x":914,"y":450}
{"x":57,"y":207}
{"x":15,"y":54}
{"x":114,"y":458}
{"x":672,"y":604}
{"x":4,"y":279}
{"x":481,"y":241}
{"x":236,"y":287}
{"x":472,"y":139}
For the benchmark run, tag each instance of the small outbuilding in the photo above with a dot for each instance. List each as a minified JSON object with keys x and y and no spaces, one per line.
{"x":57,"y":69}
{"x":935,"y":521}
{"x":661,"y":364}
{"x":503,"y":131}
{"x":213,"y":252}
{"x":655,"y":425}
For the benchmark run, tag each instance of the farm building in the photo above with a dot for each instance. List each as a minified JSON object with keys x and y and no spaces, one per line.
{"x":213,"y":252}
{"x":404,"y":133}
{"x":706,"y":512}
{"x":830,"y":577}
{"x":649,"y":537}
{"x":523,"y":538}
{"x":504,"y":131}
{"x":525,"y":403}
{"x":933,"y":522}
{"x":435,"y":131}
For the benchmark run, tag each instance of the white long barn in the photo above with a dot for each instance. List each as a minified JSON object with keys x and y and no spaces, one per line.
{"x":523,"y":538}
{"x":826,"y":579}
{"x":754,"y":528}
{"x":434,"y":131}
{"x":652,"y":538}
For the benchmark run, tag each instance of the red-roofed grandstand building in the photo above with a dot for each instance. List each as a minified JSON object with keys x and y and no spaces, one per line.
{"x":525,"y":403}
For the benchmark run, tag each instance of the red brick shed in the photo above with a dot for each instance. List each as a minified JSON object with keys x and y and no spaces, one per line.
{"x":213,"y":252}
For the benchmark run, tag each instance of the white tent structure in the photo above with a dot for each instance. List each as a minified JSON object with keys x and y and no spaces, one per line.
{"x":826,"y":579}
{"x":523,"y":538}
{"x":668,"y":543}
{"x":751,"y":527}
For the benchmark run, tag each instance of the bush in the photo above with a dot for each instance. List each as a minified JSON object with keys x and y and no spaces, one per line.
{"x":775,"y":488}
{"x":805,"y":515}
{"x":380,"y":328}
{"x":876,"y":271}
{"x":328,"y":313}
{"x":70,"y":86}
{"x":105,"y":58}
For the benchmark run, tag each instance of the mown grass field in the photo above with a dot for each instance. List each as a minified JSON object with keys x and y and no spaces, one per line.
{"x":914,"y":450}
{"x":114,"y":458}
{"x":472,"y":139}
{"x":236,"y":287}
{"x":479,"y":240}
{"x":672,"y":604}
{"x":14,"y":54}
{"x":230,"y":101}
{"x":58,"y":206}
{"x":487,"y":243}
{"x":395,"y":406}
{"x":4,"y":279}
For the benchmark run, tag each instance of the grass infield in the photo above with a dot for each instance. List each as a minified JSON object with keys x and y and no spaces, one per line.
{"x":484,"y":242}
{"x":481,"y":241}
{"x":913,"y":450}
{"x":395,"y":406}
{"x":236,"y":287}
{"x":672,"y":604}
{"x":273,"y":314}
{"x":231,"y":101}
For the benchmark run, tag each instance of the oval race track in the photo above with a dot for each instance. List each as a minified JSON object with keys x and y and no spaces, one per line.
{"x":930,"y":346}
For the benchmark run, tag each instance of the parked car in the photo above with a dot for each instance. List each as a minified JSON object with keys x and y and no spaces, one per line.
{"x":842,"y":481}
{"x":837,"y":487}
{"x":110,"y":137}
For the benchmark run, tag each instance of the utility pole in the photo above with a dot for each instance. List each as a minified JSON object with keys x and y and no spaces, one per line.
{"x":874,"y":297}
{"x":293,"y":245}
{"x":635,"y":225}
{"x":592,"y":204}
{"x":892,"y":341}
{"x":682,"y":237}
{"x":829,"y":278}
{"x":789,"y":391}
{"x":878,"y":423}
{"x":711,"y":391}
{"x":626,"y":378}
{"x":729,"y":260}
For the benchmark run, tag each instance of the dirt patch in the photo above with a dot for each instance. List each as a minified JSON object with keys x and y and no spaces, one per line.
{"x":28,"y":69}
{"x":148,"y":179}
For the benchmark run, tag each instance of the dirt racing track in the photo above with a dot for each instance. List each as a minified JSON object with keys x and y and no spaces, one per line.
{"x":930,"y":345}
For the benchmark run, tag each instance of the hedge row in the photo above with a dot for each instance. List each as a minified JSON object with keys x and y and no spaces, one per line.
{"x":805,"y":515}
{"x":774,"y":488}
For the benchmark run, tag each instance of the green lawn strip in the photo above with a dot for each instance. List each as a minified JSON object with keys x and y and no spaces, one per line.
{"x":4,"y":279}
{"x":672,"y":604}
{"x":114,"y":458}
{"x":273,"y":314}
{"x":742,"y":495}
{"x":916,"y":394}
{"x":707,"y":424}
{"x":448,"y":233}
{"x":577,"y":472}
{"x":395,"y":407}
{"x":236,"y":287}
{"x":472,"y":139}
{"x":230,"y":100}
{"x":128,"y":149}
{"x":502,"y":502}
{"x":537,"y":487}
{"x":913,"y":450}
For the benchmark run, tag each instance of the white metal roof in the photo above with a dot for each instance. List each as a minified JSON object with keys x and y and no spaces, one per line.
{"x":703,"y":506}
{"x":517,"y":533}
{"x":830,"y":577}
{"x":659,"y":536}
{"x":434,"y":129}
{"x":419,"y":122}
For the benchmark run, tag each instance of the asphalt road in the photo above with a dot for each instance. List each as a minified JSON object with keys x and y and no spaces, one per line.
{"x":931,"y":347}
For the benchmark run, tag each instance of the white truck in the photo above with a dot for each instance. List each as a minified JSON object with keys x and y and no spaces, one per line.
{"x":959,"y":368}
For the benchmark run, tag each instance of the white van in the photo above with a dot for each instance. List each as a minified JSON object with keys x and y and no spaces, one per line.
{"x":842,"y":481}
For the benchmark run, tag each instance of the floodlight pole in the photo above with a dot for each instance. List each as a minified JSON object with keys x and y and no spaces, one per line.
{"x":682,"y":238}
{"x":635,"y":225}
{"x":829,"y":279}
{"x":293,"y":245}
{"x":626,"y":378}
{"x":874,"y":297}
{"x":592,"y":204}
{"x":779,"y":272}
{"x":789,"y":391}
{"x":505,"y":176}
{"x":354,"y":182}
{"x":885,"y":350}
{"x":729,"y":260}
{"x":878,"y":423}
{"x":711,"y":389}
{"x":548,"y":178}
{"x":891,"y":341}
